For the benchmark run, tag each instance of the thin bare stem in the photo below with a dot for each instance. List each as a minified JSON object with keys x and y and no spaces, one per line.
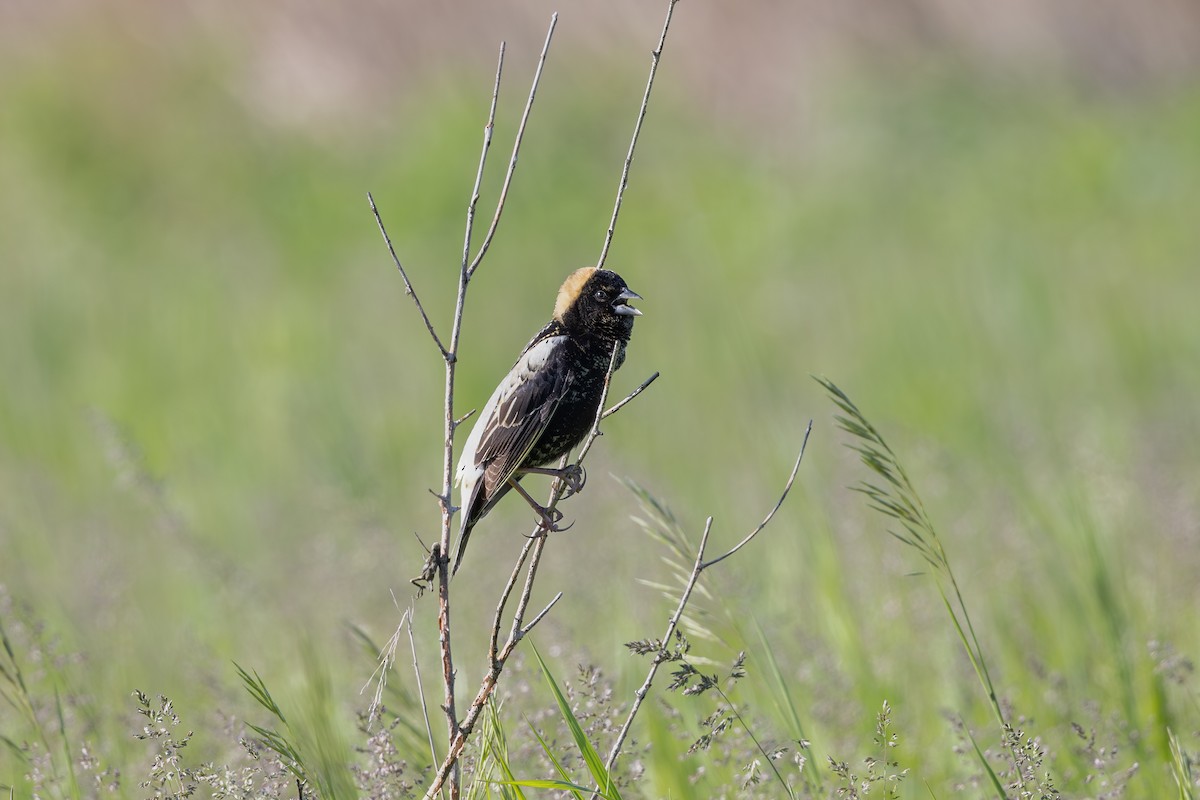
{"x":535,"y":560}
{"x":505,"y":594}
{"x":783,"y":496}
{"x":757,"y":744}
{"x":655,"y":57}
{"x":540,"y":614}
{"x":640,"y":695}
{"x":450,"y":423}
{"x":630,"y":396}
{"x":437,"y":567}
{"x":447,"y":663}
{"x":594,"y":433}
{"x":495,"y":667}
{"x":512,"y":163}
{"x":421,"y":689}
{"x":408,"y":287}
{"x":698,"y":567}
{"x":528,"y":560}
{"x":483,"y":153}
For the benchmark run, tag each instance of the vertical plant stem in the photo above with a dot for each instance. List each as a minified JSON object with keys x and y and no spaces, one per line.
{"x":655,"y":57}
{"x":640,"y":695}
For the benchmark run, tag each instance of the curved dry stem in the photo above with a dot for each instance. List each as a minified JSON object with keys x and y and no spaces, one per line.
{"x":698,"y":567}
{"x":462,"y":732}
{"x":594,"y":433}
{"x":672,"y":625}
{"x":535,"y":560}
{"x":783,"y":496}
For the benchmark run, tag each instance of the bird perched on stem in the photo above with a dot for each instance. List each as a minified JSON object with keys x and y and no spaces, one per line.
{"x":548,"y":401}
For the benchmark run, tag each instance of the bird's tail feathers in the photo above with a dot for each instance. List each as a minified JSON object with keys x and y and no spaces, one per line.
{"x":462,"y":546}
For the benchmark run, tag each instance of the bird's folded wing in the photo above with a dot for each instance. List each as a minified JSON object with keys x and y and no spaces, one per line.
{"x":520,"y":417}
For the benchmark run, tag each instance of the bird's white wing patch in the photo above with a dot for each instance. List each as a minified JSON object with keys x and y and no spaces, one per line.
{"x":469,"y":469}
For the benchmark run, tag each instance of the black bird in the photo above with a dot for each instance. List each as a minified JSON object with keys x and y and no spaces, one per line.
{"x":548,"y":401}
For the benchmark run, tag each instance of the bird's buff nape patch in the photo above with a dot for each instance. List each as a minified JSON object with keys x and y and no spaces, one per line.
{"x":570,"y":290}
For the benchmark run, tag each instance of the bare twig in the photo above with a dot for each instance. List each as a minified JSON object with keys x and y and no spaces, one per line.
{"x":787,"y":488}
{"x":421,"y":689}
{"x":594,"y":433}
{"x":630,"y":396}
{"x":540,"y":614}
{"x":535,"y":560}
{"x":408,"y":287}
{"x":440,"y":556}
{"x":437,"y":565}
{"x":528,"y":560}
{"x":483,"y":153}
{"x":698,"y":567}
{"x":505,"y":595}
{"x":512,"y":162}
{"x":447,"y":665}
{"x":496,"y":666}
{"x":640,"y":695}
{"x":655,"y":56}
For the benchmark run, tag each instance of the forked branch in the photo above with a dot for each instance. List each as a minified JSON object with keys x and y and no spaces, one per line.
{"x":698,"y":567}
{"x":527,"y":562}
{"x":437,"y":565}
{"x":512,"y":161}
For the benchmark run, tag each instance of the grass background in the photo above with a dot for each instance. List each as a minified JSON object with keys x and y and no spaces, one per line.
{"x":220,"y":414}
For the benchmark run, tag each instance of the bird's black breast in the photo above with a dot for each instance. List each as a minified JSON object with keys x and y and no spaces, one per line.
{"x":586,"y":363}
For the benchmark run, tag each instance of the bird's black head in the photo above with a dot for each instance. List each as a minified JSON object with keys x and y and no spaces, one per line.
{"x":596,"y":301}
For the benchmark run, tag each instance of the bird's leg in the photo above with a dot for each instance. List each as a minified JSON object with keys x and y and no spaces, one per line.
{"x":573,"y":476}
{"x":549,"y":518}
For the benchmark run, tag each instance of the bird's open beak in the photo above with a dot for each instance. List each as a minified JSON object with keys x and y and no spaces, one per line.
{"x":621,"y":304}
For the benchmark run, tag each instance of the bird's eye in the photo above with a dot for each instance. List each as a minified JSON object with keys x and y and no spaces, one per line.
{"x":600,"y":296}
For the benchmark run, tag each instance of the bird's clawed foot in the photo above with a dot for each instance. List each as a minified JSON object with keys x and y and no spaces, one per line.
{"x":549,"y":519}
{"x":573,"y":476}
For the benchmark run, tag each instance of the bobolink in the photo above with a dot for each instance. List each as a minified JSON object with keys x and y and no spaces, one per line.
{"x":548,"y":401}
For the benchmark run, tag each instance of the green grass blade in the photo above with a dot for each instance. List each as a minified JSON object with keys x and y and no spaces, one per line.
{"x":274,"y":740}
{"x":595,"y":763}
{"x":554,"y":759}
{"x":494,"y":754}
{"x":68,"y":759}
{"x":987,"y":768}
{"x":787,"y":704}
{"x":901,"y":502}
{"x":1181,"y":768}
{"x":546,"y":783}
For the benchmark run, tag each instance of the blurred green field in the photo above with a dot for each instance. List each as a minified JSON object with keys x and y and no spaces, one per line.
{"x":220,"y":414}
